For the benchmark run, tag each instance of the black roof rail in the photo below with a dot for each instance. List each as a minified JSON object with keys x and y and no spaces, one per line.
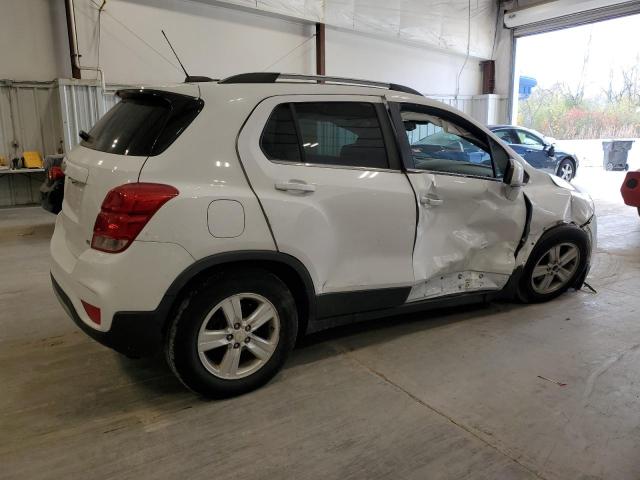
{"x":257,"y":77}
{"x":401,"y":88}
{"x":198,"y":79}
{"x":272,"y":77}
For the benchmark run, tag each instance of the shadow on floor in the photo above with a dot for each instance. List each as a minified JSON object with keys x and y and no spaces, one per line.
{"x":154,"y":374}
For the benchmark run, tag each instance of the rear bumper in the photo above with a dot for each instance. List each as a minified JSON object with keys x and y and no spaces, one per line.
{"x":135,"y":334}
{"x":129,"y":288}
{"x":135,"y":280}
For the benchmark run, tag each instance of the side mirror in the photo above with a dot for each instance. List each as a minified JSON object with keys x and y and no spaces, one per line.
{"x":550,"y":149}
{"x":515,"y":174}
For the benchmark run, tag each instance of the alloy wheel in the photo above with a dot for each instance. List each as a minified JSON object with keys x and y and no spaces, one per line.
{"x":238,"y":336}
{"x":555,"y":268}
{"x":566,"y":171}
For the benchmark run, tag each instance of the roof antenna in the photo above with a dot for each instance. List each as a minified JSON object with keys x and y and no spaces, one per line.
{"x":188,"y":78}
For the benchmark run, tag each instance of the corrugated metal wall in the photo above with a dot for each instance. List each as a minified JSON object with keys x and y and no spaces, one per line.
{"x":81,"y":107}
{"x":29,"y":116}
{"x":29,"y":120}
{"x":45,"y":117}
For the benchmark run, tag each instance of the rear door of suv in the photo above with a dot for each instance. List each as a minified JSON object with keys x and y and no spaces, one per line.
{"x":327,"y":172}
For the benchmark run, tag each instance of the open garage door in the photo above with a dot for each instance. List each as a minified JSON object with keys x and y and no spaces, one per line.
{"x":542,"y":17}
{"x":576,"y":99}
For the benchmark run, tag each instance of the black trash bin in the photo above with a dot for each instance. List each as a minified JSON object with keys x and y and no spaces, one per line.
{"x":616,"y":153}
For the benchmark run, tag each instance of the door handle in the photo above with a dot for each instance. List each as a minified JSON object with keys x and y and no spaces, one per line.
{"x":295,"y":187}
{"x":431,"y":201}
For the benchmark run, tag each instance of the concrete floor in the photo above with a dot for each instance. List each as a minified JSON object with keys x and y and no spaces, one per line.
{"x":453,"y":394}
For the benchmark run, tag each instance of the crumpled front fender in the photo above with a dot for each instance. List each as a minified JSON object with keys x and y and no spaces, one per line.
{"x":555,"y":202}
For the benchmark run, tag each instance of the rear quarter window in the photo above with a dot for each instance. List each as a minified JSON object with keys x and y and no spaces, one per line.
{"x":143,"y":123}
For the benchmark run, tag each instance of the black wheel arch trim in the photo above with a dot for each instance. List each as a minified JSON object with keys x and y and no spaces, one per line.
{"x":176,"y":289}
{"x":241,"y":255}
{"x":581,"y":277}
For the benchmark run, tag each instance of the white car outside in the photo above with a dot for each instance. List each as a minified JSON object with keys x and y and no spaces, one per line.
{"x":220,"y":220}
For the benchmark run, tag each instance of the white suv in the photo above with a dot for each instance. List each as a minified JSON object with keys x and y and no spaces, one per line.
{"x":218,"y":221}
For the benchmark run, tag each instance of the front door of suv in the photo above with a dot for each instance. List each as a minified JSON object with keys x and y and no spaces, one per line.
{"x":469,"y":223}
{"x":327,"y":172}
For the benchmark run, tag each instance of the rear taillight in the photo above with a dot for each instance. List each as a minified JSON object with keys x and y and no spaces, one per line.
{"x":124,"y":213}
{"x":55,"y":173}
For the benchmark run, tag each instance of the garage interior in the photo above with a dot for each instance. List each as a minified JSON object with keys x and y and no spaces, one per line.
{"x":504,"y":390}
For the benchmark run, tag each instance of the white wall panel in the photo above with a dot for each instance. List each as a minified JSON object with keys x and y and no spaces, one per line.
{"x":351,"y":54}
{"x":415,"y":42}
{"x":437,"y":23}
{"x":211,"y":40}
{"x":33,"y":42}
{"x":487,"y":109}
{"x":220,"y":40}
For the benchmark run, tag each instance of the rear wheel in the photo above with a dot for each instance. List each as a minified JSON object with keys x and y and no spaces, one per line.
{"x":566,"y":170}
{"x":555,"y":264}
{"x":233,"y":334}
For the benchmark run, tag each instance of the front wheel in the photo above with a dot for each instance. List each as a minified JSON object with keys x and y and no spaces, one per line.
{"x":555,"y":264}
{"x":233,"y":333}
{"x":566,"y":170}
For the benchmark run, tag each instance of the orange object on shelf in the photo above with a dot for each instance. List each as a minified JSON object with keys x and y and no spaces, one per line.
{"x":32,"y":159}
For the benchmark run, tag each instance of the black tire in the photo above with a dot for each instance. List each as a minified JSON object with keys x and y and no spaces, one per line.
{"x":638,"y":210}
{"x":560,"y":235}
{"x":566,"y":161}
{"x":181,"y":346}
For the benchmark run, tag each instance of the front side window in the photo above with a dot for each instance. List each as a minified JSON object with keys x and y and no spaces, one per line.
{"x":346,"y":134}
{"x":439,"y":143}
{"x":504,"y":135}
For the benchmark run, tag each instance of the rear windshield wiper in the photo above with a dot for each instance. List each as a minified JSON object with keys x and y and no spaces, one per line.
{"x":84,"y":135}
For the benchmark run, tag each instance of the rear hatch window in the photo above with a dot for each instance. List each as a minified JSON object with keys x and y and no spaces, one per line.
{"x":144,"y":123}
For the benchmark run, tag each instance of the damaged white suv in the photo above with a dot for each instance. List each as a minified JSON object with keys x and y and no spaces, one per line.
{"x":218,"y":221}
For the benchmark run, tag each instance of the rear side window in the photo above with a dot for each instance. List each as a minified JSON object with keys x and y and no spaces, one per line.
{"x":346,"y":134}
{"x":279,"y":139}
{"x":143,"y":124}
